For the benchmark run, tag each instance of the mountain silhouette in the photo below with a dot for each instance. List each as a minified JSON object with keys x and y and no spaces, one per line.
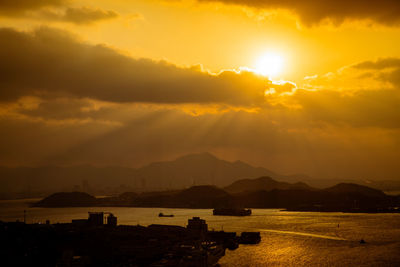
{"x":183,"y":172}
{"x":196,"y":169}
{"x":262,"y":192}
{"x":68,"y":199}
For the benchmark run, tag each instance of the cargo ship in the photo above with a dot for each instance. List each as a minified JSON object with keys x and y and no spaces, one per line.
{"x":232,"y":212}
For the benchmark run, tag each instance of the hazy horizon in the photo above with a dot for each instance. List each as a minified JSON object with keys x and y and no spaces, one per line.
{"x":173,"y":159}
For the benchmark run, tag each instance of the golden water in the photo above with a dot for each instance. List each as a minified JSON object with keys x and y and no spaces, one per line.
{"x":288,"y":238}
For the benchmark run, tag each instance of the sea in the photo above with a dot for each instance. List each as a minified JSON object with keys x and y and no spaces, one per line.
{"x":288,"y":238}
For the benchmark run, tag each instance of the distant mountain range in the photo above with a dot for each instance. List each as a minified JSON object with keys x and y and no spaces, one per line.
{"x":263,"y":192}
{"x":196,"y":169}
{"x":183,"y":172}
{"x":189,"y":170}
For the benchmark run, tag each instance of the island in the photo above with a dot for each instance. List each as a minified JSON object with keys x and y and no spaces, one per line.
{"x":263,"y":192}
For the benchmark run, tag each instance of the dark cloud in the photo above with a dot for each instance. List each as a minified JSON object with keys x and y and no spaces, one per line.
{"x":313,"y":12}
{"x":58,"y":109}
{"x":18,"y":7}
{"x":82,"y":15}
{"x":379,"y":64}
{"x":57,"y":10}
{"x":51,"y":62}
{"x":386,"y":69}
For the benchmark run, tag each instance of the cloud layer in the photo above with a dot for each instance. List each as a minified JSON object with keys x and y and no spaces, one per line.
{"x":313,"y":12}
{"x":51,"y":62}
{"x":18,"y":7}
{"x":64,"y":101}
{"x":82,"y":15}
{"x":58,"y":10}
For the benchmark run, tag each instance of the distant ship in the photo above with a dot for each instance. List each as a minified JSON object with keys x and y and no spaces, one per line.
{"x":165,"y":215}
{"x":232,"y":212}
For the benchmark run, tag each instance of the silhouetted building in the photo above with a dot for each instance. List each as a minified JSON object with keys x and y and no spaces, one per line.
{"x":96,"y":218}
{"x":197,"y":226}
{"x":111,"y":220}
{"x":96,"y":245}
{"x":79,"y":222}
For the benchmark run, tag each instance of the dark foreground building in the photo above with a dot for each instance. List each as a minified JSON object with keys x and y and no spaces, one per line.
{"x":99,"y":241}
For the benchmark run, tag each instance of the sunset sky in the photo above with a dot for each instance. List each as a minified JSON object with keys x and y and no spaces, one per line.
{"x":308,"y":87}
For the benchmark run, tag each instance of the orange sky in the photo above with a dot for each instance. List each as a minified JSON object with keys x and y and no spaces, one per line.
{"x":129,"y":82}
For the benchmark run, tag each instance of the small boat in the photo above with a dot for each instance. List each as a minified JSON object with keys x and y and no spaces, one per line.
{"x":165,"y":215}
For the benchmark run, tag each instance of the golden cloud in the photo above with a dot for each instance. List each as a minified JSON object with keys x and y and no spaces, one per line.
{"x":51,"y":62}
{"x":312,"y":12}
{"x":18,"y":7}
{"x":58,"y":10}
{"x":81,"y":15}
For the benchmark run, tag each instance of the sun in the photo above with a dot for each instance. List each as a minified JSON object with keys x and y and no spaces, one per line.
{"x":270,"y":64}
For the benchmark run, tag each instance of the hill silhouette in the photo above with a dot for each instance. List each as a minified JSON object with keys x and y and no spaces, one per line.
{"x":346,"y":188}
{"x":68,"y":199}
{"x":204,"y":196}
{"x":298,"y":197}
{"x":196,"y":169}
{"x":263,"y":183}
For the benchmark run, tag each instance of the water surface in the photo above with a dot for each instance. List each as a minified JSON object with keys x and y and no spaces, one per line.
{"x":288,"y":238}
